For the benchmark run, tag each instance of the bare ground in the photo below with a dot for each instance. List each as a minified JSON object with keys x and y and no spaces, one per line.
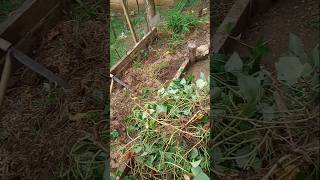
{"x":39,"y":126}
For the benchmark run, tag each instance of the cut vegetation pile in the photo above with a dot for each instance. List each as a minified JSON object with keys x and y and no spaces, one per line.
{"x":168,"y":131}
{"x":266,"y":124}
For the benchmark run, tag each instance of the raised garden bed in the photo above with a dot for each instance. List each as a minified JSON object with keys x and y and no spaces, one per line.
{"x":146,"y":73}
{"x":41,"y":125}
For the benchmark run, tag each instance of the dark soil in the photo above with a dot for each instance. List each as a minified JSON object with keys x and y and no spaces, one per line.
{"x":38,"y":125}
{"x":284,"y":17}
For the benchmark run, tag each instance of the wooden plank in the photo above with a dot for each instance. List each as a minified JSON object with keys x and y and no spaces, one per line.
{"x":32,"y":36}
{"x":127,"y":60}
{"x":125,"y":11}
{"x":23,"y":19}
{"x":185,"y":65}
{"x":235,"y":22}
{"x":5,"y":78}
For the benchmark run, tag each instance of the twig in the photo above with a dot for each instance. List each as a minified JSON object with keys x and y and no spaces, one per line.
{"x":274,"y":167}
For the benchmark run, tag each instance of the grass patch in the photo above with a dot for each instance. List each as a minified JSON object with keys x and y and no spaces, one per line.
{"x":178,"y":22}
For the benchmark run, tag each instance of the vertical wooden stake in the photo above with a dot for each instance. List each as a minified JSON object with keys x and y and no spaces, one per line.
{"x":5,"y":77}
{"x":150,"y":10}
{"x":111,"y":86}
{"x":192,"y":48}
{"x":125,"y":10}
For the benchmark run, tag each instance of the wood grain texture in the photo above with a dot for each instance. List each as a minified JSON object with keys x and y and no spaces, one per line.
{"x":125,"y":62}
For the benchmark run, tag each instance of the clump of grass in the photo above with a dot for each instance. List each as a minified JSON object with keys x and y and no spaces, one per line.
{"x":179,"y":22}
{"x":170,"y":133}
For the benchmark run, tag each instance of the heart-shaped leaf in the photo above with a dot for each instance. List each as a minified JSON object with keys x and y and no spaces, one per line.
{"x":195,"y":163}
{"x":296,"y":47}
{"x":289,"y":69}
{"x":250,"y":87}
{"x":199,"y":174}
{"x":234,"y":64}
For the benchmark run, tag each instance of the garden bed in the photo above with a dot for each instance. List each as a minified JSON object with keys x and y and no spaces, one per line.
{"x":150,"y":70}
{"x":42,"y":125}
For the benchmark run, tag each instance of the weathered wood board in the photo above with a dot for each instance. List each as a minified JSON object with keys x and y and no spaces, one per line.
{"x":126,"y":61}
{"x":24,"y":26}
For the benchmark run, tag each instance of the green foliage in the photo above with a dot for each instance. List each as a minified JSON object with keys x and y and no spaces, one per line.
{"x":161,"y":146}
{"x":179,"y":22}
{"x":88,"y":161}
{"x":248,"y":100}
{"x":115,"y":134}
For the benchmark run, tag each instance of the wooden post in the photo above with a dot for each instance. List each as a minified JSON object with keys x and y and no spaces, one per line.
{"x":125,"y":10}
{"x":192,"y":48}
{"x":150,"y":11}
{"x":5,"y":77}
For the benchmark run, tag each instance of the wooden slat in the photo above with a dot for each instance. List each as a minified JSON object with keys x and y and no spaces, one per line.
{"x":28,"y":36}
{"x":185,"y":65}
{"x":127,"y":60}
{"x":25,"y":18}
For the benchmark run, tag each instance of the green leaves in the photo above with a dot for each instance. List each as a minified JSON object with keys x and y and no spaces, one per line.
{"x":250,"y":87}
{"x":199,"y":174}
{"x":201,"y":83}
{"x":289,"y":69}
{"x":256,"y":55}
{"x":247,"y":158}
{"x":194,"y":153}
{"x":195,"y":163}
{"x":234,"y":64}
{"x":160,"y":147}
{"x":296,"y":47}
{"x":115,"y":134}
{"x":161,"y":108}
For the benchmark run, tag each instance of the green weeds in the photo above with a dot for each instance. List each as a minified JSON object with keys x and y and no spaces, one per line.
{"x":260,"y":120}
{"x":88,"y":159}
{"x":169,"y":137}
{"x":179,"y":22}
